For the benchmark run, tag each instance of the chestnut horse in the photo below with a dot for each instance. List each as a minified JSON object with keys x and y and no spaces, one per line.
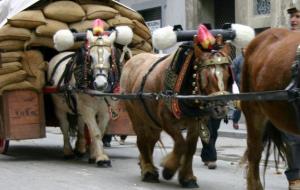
{"x":149,"y":117}
{"x":268,"y":61}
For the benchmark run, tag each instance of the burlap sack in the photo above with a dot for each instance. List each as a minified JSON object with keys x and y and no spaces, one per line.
{"x":94,"y":11}
{"x":136,"y":51}
{"x":35,"y":66}
{"x":10,"y":67}
{"x":49,"y":29}
{"x":12,"y":45}
{"x":18,"y":86}
{"x":8,"y":32}
{"x":127,"y":12}
{"x":33,"y":62}
{"x":139,"y":43}
{"x":102,"y":2}
{"x":11,"y":56}
{"x":28,"y":19}
{"x":65,"y":11}
{"x":11,"y":78}
{"x":82,"y":26}
{"x":36,"y":41}
{"x":141,"y":30}
{"x":119,"y":20}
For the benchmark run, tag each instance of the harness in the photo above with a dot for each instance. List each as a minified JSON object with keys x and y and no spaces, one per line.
{"x":140,"y":92}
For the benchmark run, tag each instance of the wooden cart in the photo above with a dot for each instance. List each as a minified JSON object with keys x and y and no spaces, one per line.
{"x":24,"y":114}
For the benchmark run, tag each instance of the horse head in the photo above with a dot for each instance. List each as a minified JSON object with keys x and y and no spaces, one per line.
{"x":98,"y":53}
{"x":210,"y":72}
{"x":212,"y":76}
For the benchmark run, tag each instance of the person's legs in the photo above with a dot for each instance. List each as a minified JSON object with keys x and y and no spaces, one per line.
{"x":106,"y":139}
{"x":209,"y":153}
{"x":292,"y":143}
{"x":235,"y":118}
{"x":122,"y":139}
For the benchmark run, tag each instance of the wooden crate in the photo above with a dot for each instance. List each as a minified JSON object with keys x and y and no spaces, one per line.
{"x":122,"y":125}
{"x":22,"y":115}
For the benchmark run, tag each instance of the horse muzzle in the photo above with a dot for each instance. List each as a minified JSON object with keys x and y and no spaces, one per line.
{"x":100,"y":83}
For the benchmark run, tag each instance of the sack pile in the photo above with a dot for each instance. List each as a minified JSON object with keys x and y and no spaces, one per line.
{"x":34,"y":27}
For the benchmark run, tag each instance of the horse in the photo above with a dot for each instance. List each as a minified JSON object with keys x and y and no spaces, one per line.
{"x":267,"y":67}
{"x":93,"y":66}
{"x":191,"y":69}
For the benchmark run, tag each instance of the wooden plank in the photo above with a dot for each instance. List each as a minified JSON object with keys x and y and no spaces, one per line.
{"x":23,"y":113}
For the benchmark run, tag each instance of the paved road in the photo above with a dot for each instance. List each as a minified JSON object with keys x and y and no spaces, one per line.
{"x":38,"y":164}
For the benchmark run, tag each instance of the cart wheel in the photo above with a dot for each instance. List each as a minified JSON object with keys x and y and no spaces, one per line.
{"x":3,"y":146}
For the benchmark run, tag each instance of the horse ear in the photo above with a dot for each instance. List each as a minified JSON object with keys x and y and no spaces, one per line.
{"x":112,"y":37}
{"x":90,"y":36}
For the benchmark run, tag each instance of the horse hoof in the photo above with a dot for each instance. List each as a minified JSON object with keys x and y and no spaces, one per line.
{"x":167,"y":174}
{"x":151,"y":177}
{"x":69,"y":157}
{"x":104,"y":164}
{"x":79,"y":154}
{"x":92,"y":160}
{"x":189,"y":184}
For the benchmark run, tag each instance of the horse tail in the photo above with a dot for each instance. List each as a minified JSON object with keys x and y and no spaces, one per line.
{"x":272,"y":140}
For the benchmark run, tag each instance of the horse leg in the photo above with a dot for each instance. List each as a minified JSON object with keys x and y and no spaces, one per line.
{"x":103,"y":118}
{"x":96,"y":148}
{"x":146,"y":140}
{"x":80,"y":146}
{"x":146,"y":143}
{"x":186,"y":176}
{"x":172,"y":161}
{"x":61,"y":110}
{"x":64,"y":126}
{"x":255,"y":125}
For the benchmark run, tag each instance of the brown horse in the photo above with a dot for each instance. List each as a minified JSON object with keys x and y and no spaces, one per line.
{"x":207,"y":73}
{"x":268,"y":61}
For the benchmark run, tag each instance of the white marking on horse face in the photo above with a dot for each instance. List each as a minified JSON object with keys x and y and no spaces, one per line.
{"x":219,"y":74}
{"x":100,"y":64}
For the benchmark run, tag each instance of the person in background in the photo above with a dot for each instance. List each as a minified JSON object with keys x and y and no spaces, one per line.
{"x":209,"y":152}
{"x":292,"y":142}
{"x":237,"y":65}
{"x":122,"y":139}
{"x":106,"y":139}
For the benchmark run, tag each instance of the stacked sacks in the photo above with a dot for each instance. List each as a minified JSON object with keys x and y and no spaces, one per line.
{"x":34,"y":28}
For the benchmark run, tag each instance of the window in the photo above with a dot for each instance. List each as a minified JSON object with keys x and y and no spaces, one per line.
{"x":262,"y":7}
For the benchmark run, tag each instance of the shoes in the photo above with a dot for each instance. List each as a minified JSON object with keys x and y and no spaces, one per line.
{"x":294,"y":184}
{"x":211,"y":165}
{"x":106,"y":144}
{"x":236,"y":126}
{"x":122,"y":142}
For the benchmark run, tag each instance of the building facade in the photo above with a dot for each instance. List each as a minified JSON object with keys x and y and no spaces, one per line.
{"x":259,"y":14}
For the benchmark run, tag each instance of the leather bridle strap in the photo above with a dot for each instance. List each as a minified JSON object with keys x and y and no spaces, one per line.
{"x":140,"y":92}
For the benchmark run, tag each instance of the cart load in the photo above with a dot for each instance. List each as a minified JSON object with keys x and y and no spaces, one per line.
{"x":27,"y":28}
{"x":25,"y":34}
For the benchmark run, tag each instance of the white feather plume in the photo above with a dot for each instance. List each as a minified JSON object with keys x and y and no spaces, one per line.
{"x":244,"y":34}
{"x":124,"y":35}
{"x":63,"y":40}
{"x":163,"y":38}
